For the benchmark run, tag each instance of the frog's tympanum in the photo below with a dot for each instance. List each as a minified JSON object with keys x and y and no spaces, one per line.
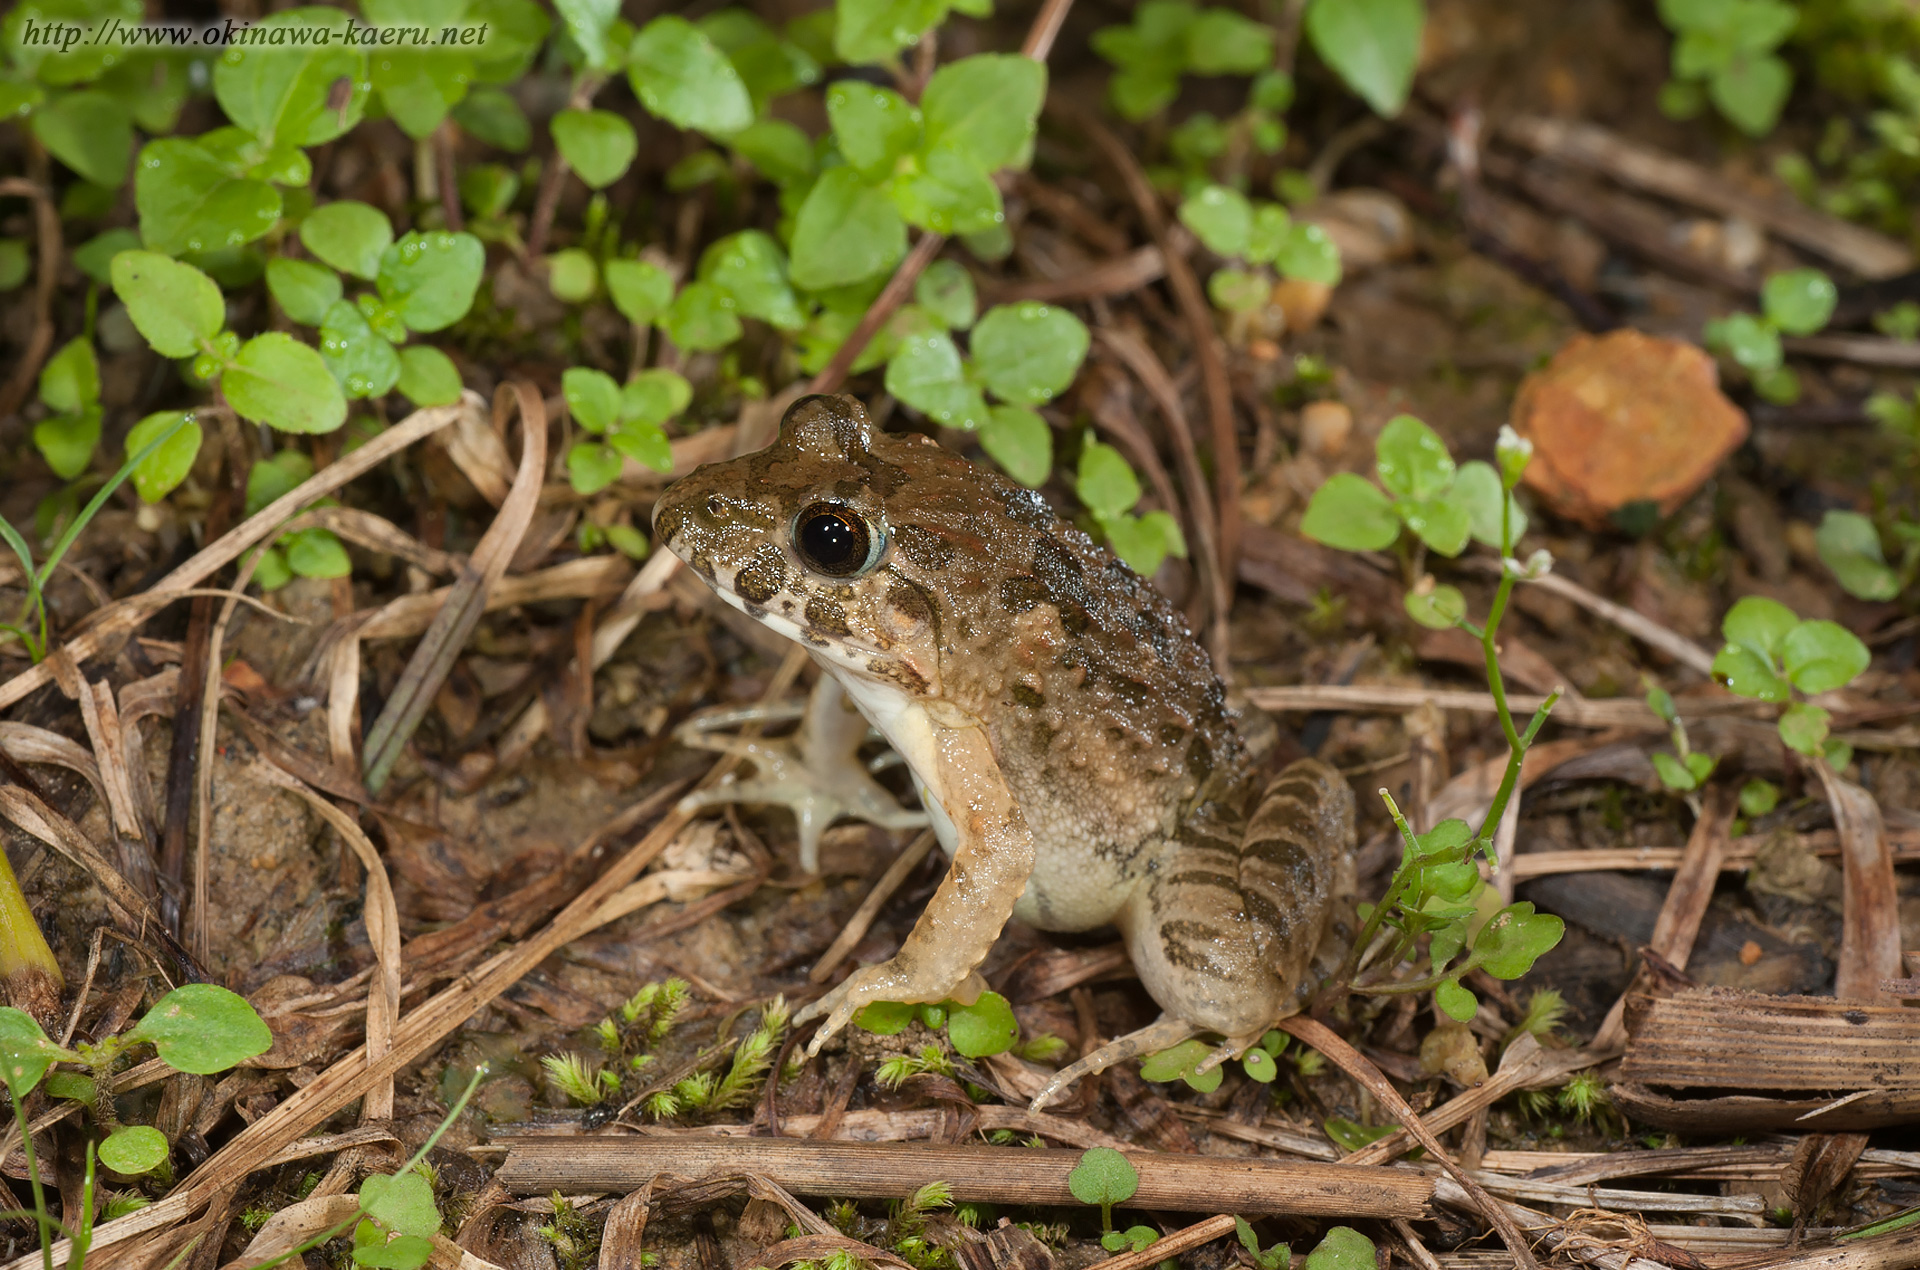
{"x":1068,"y":736}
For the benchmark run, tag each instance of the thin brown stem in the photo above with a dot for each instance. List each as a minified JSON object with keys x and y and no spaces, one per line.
{"x":46,"y":224}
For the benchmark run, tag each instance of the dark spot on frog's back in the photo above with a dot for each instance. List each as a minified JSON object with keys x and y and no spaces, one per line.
{"x":667,"y":525}
{"x":911,"y":601}
{"x":1028,"y":508}
{"x":924,"y":548}
{"x":1019,"y":594}
{"x":827,"y":616}
{"x":1029,"y":697}
{"x":1132,"y":691}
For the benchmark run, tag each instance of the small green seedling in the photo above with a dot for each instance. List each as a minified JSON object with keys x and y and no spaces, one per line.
{"x":975,"y":1031}
{"x":1258,"y":238}
{"x":1437,"y":894}
{"x":1686,"y":769}
{"x":1796,"y":302}
{"x":1104,"y":1177}
{"x":1724,"y":53}
{"x":1274,"y":1258}
{"x":1849,"y":545}
{"x":1770,"y":654}
{"x":627,"y":419}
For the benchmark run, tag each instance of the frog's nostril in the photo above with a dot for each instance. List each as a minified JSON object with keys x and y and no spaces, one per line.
{"x":716,"y":507}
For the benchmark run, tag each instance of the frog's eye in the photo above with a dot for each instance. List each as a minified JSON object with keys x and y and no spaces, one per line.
{"x":836,"y":540}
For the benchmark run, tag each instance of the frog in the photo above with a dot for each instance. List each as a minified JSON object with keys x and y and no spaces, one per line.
{"x":1067,"y":735}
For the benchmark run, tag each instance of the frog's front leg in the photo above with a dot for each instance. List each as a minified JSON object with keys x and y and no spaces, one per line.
{"x":817,"y":772}
{"x":992,"y":858}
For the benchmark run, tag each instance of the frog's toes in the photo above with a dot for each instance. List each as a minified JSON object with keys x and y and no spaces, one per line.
{"x":1232,"y":1047}
{"x":1158,"y":1035}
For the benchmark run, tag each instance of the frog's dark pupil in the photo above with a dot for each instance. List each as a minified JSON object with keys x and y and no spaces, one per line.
{"x":833,"y":540}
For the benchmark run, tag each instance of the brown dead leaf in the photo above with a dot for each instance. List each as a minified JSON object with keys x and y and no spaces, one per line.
{"x":1624,"y":418}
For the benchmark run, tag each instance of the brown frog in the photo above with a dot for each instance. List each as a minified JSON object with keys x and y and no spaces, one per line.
{"x":1066,"y":733}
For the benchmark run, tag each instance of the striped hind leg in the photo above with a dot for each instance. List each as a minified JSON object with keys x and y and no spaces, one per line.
{"x":1224,"y":933}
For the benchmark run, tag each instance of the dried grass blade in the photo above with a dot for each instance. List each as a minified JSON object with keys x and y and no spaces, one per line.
{"x":433,"y":659}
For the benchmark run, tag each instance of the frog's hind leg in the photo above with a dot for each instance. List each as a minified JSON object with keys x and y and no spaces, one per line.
{"x":816,"y":773}
{"x":1163,"y":1032}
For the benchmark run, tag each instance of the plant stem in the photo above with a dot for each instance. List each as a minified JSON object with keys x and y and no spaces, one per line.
{"x":40,"y":1217}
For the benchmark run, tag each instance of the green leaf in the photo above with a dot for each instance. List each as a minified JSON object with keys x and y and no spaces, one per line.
{"x":1104,"y":1177}
{"x":278,"y":381}
{"x":1748,"y":340}
{"x":271,"y":573}
{"x":1514,"y":938}
{"x":926,"y":373}
{"x":1344,"y":1248}
{"x":701,"y":317}
{"x":1221,"y":42}
{"x":408,"y":1252}
{"x":67,"y":442}
{"x":203,"y":1028}
{"x":1759,"y":624}
{"x":157,"y":475}
{"x":947,"y":194}
{"x":845,"y":232}
{"x":982,"y":108}
{"x":364,"y":364}
{"x":1850,"y":546}
{"x":1271,"y":225}
{"x":572,"y":276}
{"x":1673,"y":774}
{"x":750,"y":267}
{"x":1700,"y":766}
{"x":874,"y":127}
{"x":1308,"y":254}
{"x":1350,"y":512}
{"x":419,"y":86}
{"x":1440,"y":607}
{"x":591,"y":467}
{"x":273,"y":478}
{"x":1477,"y":488}
{"x":598,"y":144}
{"x":1237,"y":291}
{"x":1804,"y":727}
{"x":350,"y":236}
{"x":315,"y":553}
{"x":1259,"y":1066}
{"x":769,"y":65}
{"x":587,"y":22}
{"x":1748,"y":674}
{"x":1455,"y":1002}
{"x":985,"y":1027}
{"x":382,"y":317}
{"x":286,"y":94}
{"x":15,"y":264}
{"x":884,"y":1018}
{"x":680,"y":76}
{"x":1750,"y":91}
{"x":1175,"y":1061}
{"x":175,"y":306}
{"x":303,"y":289}
{"x":1019,"y":441}
{"x":25,"y":1051}
{"x":1412,"y":460}
{"x":403,"y":1204}
{"x":593,"y":399}
{"x":628,"y":541}
{"x":1758,"y":797}
{"x":70,"y":381}
{"x":1104,"y":482}
{"x":1820,"y":656}
{"x":495,"y":118}
{"x":945,"y":291}
{"x":1799,"y":301}
{"x":428,"y":376}
{"x":874,"y":30}
{"x":431,"y":278}
{"x":1373,"y":45}
{"x":641,"y":291}
{"x":189,"y":201}
{"x":134,"y":1149}
{"x":1144,"y":542}
{"x":643,"y":443}
{"x":1441,"y":523}
{"x":1221,"y":218}
{"x":1349,"y":1136}
{"x":654,"y":396}
{"x":1028,"y":353}
{"x":90,"y":132}
{"x":782,"y":152}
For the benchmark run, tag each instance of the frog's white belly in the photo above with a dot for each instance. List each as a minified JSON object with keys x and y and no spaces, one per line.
{"x":1071,"y":888}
